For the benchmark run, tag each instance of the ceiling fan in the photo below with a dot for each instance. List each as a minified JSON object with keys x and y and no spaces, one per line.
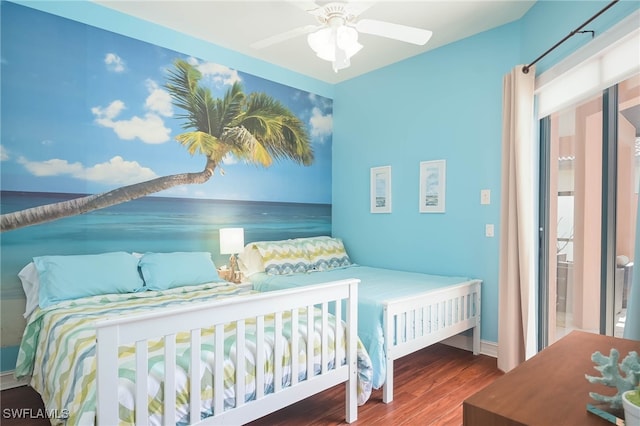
{"x":335,"y":38}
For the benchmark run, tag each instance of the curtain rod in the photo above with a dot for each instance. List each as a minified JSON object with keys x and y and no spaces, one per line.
{"x":525,"y":69}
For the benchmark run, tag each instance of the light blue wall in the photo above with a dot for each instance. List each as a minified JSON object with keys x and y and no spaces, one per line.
{"x":444,"y":104}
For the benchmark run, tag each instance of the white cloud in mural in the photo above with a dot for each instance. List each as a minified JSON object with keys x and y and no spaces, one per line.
{"x":4,"y":155}
{"x":321,"y":124}
{"x":116,"y":171}
{"x":218,"y":74}
{"x":119,"y":171}
{"x":159,"y":100}
{"x":149,"y":129}
{"x":114,"y":62}
{"x":53,"y":167}
{"x":106,"y":115}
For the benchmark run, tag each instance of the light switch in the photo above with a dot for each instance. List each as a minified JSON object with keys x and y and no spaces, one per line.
{"x":488,"y":230}
{"x":485,"y":196}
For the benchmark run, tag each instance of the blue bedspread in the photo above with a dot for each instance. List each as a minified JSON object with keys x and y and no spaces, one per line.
{"x":376,"y":286}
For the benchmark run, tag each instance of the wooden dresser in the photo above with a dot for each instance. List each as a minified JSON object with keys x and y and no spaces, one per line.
{"x":548,"y":389}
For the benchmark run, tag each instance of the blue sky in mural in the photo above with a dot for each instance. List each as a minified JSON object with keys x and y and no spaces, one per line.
{"x":96,"y":117}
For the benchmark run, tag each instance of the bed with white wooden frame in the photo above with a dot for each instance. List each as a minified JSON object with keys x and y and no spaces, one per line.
{"x":416,"y":322}
{"x":115,"y":332}
{"x":116,"y":338}
{"x":399,"y":312}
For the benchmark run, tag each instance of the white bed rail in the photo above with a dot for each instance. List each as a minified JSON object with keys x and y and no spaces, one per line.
{"x":138,"y":328}
{"x":415,"y":322}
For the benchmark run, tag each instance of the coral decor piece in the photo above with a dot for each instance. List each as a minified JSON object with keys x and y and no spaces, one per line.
{"x":624,"y":376}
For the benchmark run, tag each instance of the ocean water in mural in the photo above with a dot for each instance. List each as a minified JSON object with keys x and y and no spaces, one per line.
{"x":149,"y":224}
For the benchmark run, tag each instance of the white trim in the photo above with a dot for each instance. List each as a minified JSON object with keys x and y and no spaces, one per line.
{"x":598,"y":44}
{"x":462,"y":341}
{"x":591,"y":68}
{"x":8,"y":380}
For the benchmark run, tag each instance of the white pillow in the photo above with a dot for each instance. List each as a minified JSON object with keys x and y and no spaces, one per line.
{"x":250,"y":261}
{"x":30,"y":284}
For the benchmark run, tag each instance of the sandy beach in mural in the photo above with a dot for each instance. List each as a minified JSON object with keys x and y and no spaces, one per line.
{"x":11,"y":311}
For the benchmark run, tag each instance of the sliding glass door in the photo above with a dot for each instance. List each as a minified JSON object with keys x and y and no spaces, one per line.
{"x":589,"y":179}
{"x":575,"y":194}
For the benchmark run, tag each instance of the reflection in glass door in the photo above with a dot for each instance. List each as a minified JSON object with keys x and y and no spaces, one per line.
{"x":575,"y":187}
{"x":592,"y":174}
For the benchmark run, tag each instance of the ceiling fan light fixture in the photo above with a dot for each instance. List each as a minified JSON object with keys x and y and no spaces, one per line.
{"x":335,"y":39}
{"x":335,"y":44}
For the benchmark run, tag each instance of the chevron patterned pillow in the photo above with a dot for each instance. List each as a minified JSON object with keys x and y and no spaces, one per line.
{"x":325,"y":253}
{"x":283,"y":257}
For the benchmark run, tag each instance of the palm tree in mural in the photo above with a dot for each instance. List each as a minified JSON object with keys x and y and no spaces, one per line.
{"x":253,"y":127}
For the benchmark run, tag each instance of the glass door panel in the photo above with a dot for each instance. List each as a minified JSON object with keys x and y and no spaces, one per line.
{"x":628,"y":175}
{"x":575,"y":205}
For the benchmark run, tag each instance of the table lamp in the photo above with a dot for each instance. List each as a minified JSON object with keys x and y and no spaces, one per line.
{"x":232,"y":243}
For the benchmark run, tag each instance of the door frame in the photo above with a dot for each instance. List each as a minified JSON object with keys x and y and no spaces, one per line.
{"x":609,"y":208}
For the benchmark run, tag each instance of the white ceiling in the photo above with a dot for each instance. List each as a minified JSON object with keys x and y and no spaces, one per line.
{"x":237,"y":24}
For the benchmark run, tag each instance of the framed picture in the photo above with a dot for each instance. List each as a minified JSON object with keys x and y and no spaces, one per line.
{"x":381,"y":189}
{"x":432,"y":186}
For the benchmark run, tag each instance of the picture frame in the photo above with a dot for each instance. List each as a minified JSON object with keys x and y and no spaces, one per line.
{"x":433,"y":186}
{"x":381,"y":189}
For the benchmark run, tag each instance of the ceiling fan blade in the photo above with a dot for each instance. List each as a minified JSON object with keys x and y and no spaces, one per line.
{"x":307,"y":6}
{"x":354,"y":7}
{"x":357,"y":7}
{"x":278,"y":38}
{"x":395,"y":31}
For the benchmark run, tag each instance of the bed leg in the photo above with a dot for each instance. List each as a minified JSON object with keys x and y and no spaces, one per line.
{"x":351,"y":403}
{"x":476,"y":329}
{"x":387,"y":388}
{"x":476,"y":339}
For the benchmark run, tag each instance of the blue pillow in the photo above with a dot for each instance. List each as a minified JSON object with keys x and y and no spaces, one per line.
{"x":162,"y":271}
{"x":71,"y":277}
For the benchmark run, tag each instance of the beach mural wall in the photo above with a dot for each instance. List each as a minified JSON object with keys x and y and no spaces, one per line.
{"x":196,"y":146}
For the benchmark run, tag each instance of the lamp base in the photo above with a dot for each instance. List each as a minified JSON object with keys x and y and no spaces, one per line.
{"x":234,"y":274}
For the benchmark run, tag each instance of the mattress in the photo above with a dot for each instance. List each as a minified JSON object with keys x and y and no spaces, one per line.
{"x":377,"y":285}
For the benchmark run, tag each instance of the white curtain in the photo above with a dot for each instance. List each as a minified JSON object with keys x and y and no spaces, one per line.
{"x":517,"y":313}
{"x":632,"y":323}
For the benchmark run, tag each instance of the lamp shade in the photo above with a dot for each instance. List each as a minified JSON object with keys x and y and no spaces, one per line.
{"x":335,"y":44}
{"x":231,"y":240}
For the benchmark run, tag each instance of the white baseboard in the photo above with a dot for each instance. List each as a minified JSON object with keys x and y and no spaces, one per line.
{"x":8,"y":380}
{"x":462,"y":341}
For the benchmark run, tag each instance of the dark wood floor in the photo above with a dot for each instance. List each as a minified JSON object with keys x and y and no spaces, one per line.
{"x":430,"y":387}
